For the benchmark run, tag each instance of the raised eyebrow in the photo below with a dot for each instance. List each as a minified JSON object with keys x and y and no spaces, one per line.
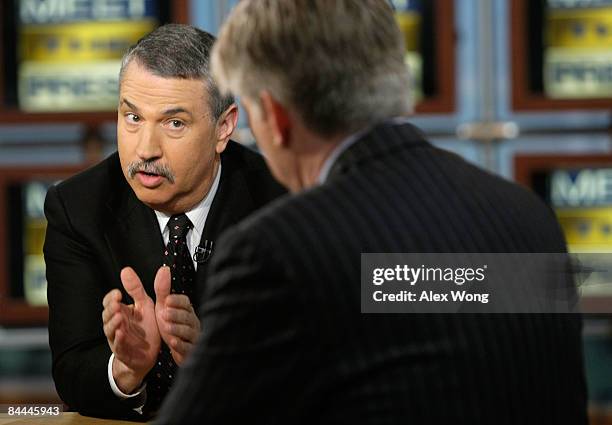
{"x":177,"y":110}
{"x":129,"y":104}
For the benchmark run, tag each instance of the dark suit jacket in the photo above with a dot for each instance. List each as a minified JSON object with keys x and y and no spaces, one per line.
{"x":284,"y":340}
{"x":97,"y":226}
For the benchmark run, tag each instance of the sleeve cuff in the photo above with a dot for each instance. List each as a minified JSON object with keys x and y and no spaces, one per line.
{"x":138,"y":393}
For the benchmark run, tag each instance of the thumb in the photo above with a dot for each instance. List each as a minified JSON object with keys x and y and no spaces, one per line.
{"x":162,"y":284}
{"x":133,"y":286}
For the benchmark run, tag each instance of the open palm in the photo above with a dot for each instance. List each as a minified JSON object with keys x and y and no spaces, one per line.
{"x":176,"y":319}
{"x":136,"y":340}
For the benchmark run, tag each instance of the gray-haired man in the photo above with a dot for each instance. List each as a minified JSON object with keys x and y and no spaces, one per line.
{"x":120,"y":323}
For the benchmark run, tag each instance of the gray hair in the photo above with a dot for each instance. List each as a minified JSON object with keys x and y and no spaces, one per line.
{"x":338,"y":63}
{"x":179,"y":51}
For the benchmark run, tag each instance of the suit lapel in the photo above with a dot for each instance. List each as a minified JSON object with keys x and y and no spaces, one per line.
{"x":132,"y":233}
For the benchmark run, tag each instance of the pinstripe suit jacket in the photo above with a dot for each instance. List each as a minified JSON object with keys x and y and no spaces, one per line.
{"x":284,"y":340}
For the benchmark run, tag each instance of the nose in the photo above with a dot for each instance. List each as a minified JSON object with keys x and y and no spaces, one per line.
{"x":149,"y":146}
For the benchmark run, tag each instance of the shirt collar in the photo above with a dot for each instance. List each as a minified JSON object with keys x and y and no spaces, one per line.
{"x":333,"y":156}
{"x":198,"y":214}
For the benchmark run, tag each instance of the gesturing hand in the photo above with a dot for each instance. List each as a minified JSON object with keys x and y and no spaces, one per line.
{"x":131,"y":331}
{"x":177,"y":322}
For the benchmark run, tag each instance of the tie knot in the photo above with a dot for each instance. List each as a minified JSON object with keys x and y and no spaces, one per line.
{"x":179,"y":225}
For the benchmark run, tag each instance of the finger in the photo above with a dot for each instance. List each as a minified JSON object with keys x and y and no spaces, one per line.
{"x":121,"y":349}
{"x":110,"y":310}
{"x":112,"y":296}
{"x":176,"y":315}
{"x":179,"y":315}
{"x":183,"y":332}
{"x":162,"y":284}
{"x":133,"y":286}
{"x":179,"y":346}
{"x":178,"y":357}
{"x":110,"y":328}
{"x":179,"y":301}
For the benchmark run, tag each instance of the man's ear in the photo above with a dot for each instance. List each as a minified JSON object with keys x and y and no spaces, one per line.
{"x":226,"y":126}
{"x":278,"y":119}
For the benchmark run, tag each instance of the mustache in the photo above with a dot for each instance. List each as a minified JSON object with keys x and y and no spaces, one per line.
{"x":150,"y":167}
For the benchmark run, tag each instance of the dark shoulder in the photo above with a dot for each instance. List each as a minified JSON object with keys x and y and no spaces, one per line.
{"x":504,"y":194}
{"x":237,"y":154}
{"x":291,"y":214}
{"x":94,"y":185}
{"x":241,"y":163}
{"x":353,"y":199}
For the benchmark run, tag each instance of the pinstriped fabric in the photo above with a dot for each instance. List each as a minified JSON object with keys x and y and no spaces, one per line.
{"x":282,"y":307}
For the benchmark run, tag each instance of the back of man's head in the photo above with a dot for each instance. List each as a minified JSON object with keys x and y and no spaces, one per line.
{"x":338,"y":63}
{"x":179,"y":51}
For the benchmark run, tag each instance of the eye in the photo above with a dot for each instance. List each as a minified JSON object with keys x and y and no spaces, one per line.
{"x":176,"y":124}
{"x":132,"y":118}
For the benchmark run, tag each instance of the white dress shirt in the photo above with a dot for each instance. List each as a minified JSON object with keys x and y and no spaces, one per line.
{"x":197,"y":215}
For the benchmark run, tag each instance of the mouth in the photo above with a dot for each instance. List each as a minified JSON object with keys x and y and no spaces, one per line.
{"x":149,"y":180}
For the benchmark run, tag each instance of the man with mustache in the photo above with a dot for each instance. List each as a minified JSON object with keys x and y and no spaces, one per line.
{"x":128,"y":240}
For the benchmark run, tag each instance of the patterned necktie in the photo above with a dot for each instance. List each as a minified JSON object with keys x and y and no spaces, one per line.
{"x":178,"y":258}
